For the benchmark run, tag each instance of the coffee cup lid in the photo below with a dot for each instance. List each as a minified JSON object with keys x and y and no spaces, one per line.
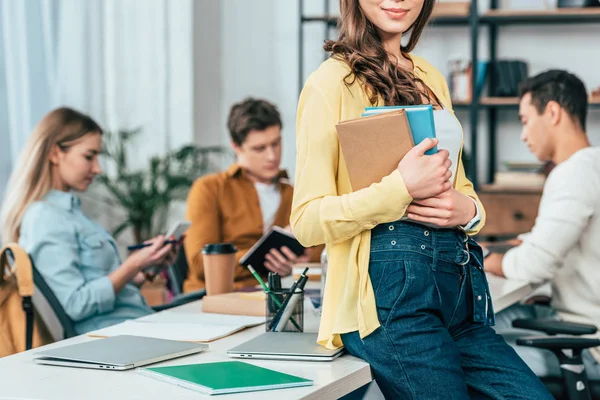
{"x":219,"y":248}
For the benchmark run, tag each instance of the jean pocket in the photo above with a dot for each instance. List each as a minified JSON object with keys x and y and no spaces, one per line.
{"x":390,"y":280}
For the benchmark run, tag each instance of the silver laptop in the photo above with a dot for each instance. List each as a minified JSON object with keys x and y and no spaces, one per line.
{"x":285,"y":346}
{"x":117,"y":352}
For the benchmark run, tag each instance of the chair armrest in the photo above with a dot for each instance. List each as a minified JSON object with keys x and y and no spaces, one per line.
{"x":554,"y":327}
{"x":541,"y":300}
{"x":558,"y":342}
{"x":181,"y":300}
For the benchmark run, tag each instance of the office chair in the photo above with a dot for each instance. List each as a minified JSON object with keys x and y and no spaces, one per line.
{"x":49,"y":309}
{"x":574,"y":384}
{"x":58,"y":322}
{"x":177,"y":274}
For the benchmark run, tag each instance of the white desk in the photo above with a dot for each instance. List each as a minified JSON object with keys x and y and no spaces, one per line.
{"x":23,"y":379}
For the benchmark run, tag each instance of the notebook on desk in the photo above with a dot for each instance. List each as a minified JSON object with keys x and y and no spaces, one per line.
{"x":188,"y":327}
{"x":224,"y":377}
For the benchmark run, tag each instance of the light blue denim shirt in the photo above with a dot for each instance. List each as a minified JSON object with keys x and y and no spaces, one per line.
{"x":75,"y":255}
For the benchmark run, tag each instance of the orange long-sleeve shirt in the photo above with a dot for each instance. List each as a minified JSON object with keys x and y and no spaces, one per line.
{"x":225,"y":207}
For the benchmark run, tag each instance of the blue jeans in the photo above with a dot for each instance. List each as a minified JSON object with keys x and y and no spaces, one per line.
{"x":435,"y":339}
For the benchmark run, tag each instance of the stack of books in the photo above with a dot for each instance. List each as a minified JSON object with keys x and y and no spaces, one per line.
{"x":374,"y":144}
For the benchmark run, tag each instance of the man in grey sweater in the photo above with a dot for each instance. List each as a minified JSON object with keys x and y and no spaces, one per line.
{"x":563,"y":247}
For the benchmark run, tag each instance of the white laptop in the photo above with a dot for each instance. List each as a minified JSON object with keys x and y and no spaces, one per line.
{"x":117,"y":352}
{"x":285,"y":346}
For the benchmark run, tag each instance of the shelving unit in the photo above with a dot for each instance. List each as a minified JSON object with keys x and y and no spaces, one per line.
{"x":505,"y":102}
{"x":493,"y":19}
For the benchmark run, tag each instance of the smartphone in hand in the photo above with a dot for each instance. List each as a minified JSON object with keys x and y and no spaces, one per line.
{"x":176,"y":231}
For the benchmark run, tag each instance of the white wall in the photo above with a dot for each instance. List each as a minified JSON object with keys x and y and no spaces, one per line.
{"x":260,"y":57}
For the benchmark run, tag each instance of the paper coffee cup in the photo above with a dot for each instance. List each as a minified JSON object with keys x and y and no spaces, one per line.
{"x":219,"y":267}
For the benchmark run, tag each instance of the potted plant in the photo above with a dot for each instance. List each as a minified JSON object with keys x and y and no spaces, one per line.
{"x":144,"y":196}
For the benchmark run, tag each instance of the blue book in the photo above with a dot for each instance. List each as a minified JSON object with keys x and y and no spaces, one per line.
{"x":420,"y":119}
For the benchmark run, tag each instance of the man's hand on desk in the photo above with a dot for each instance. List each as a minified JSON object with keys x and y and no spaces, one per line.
{"x":283,"y":261}
{"x":493,"y":264}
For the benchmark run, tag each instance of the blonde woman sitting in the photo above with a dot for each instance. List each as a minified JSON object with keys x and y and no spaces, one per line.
{"x":77,"y":257}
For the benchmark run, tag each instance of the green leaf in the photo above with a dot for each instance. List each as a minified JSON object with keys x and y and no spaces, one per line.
{"x":120,"y":228}
{"x":146,"y":194}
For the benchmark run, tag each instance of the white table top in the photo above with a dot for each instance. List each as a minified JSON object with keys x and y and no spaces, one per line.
{"x":23,"y":379}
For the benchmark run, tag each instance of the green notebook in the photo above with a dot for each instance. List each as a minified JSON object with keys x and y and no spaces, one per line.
{"x":224,"y":377}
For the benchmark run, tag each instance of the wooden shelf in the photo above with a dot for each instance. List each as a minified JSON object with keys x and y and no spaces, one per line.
{"x":507,"y":102}
{"x":559,"y":15}
{"x":490,"y":102}
{"x":501,"y":17}
{"x":330,"y":19}
{"x":492,"y":188}
{"x":436,"y":20}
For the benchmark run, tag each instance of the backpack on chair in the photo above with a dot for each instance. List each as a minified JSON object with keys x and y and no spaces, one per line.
{"x":20,"y":327}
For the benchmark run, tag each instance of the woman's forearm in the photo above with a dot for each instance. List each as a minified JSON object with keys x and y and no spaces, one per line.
{"x":123,"y":275}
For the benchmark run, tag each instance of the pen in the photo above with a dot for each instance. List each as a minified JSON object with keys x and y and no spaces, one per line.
{"x":268,"y":292}
{"x":276,"y":287}
{"x":276,"y":281}
{"x":271,"y":284}
{"x":264,"y":286}
{"x":142,"y":245}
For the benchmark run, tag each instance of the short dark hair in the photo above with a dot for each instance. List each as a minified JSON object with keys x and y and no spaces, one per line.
{"x":560,"y":86}
{"x":251,"y":114}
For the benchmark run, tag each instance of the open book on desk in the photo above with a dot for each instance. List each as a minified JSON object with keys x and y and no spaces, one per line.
{"x":187,"y":327}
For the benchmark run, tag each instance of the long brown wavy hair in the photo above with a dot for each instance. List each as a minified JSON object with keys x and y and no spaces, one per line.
{"x":361,"y":46}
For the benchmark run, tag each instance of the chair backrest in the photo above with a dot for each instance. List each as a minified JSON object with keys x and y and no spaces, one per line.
{"x":178,"y":272}
{"x":60,"y":325}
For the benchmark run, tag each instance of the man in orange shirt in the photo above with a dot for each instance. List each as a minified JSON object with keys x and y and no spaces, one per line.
{"x":242,"y":203}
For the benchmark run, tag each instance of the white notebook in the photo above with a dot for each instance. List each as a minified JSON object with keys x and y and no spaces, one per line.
{"x":182,"y":326}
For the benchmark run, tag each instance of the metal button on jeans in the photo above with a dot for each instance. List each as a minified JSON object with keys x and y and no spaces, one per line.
{"x":479,"y":298}
{"x":391,"y":227}
{"x":426,"y":233}
{"x":393,"y":242}
{"x":423,"y":247}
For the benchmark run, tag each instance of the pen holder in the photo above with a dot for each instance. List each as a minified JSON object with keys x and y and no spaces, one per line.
{"x":291,"y":318}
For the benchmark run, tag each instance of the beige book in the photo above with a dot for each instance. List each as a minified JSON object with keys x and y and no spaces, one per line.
{"x":373,"y":146}
{"x":237,"y":303}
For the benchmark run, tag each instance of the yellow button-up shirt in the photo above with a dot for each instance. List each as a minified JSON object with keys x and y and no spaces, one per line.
{"x":324,"y":208}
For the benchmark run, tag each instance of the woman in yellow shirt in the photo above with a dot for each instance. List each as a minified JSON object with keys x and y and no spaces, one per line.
{"x":405,"y":287}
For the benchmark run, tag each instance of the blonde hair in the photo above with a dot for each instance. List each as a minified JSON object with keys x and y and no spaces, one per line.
{"x":31,"y":177}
